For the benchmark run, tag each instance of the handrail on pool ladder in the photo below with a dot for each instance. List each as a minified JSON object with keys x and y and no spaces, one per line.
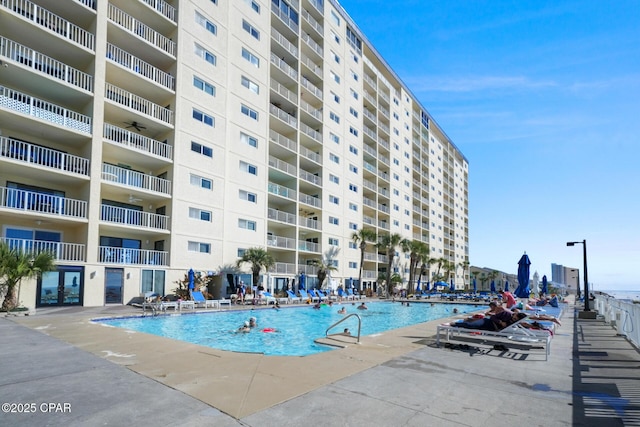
{"x":326,"y":333}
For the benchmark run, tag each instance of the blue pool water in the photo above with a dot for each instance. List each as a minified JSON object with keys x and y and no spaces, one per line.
{"x":295,"y":327}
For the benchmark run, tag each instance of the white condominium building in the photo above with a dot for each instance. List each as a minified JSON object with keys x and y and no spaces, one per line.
{"x":140,"y":139}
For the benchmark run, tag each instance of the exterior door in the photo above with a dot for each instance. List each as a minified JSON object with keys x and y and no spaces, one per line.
{"x":61,"y":287}
{"x":113,"y":283}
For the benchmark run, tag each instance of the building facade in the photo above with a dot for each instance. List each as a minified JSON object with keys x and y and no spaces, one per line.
{"x":142,"y":138}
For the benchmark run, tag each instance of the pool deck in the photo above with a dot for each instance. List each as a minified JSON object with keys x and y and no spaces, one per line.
{"x":111,"y":376}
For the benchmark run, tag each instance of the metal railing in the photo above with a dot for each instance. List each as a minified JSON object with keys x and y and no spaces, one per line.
{"x":622,"y":315}
{"x":135,"y":179}
{"x":138,"y":103}
{"x":32,"y":201}
{"x":117,"y":255}
{"x":139,"y":66}
{"x":141,"y":30}
{"x":27,"y":104}
{"x":136,"y":218}
{"x":163,"y":8}
{"x":326,"y":333}
{"x":139,"y":142}
{"x":42,"y":156}
{"x":45,"y":64}
{"x":61,"y":251}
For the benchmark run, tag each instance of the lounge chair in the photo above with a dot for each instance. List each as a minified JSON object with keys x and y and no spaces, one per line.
{"x":292,"y":297}
{"x":200,"y":301}
{"x":268,"y":298}
{"x":354,"y":295}
{"x":308,"y":296}
{"x":514,"y":333}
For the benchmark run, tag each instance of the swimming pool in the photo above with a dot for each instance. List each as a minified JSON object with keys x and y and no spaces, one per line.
{"x":296,"y":327}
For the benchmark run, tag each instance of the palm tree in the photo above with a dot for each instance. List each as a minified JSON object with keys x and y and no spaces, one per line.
{"x":388,"y":244}
{"x":493,"y":275}
{"x":441,"y":264}
{"x":464,"y":265}
{"x":360,"y":238}
{"x":326,"y":264}
{"x":426,"y":262}
{"x":15,"y":265}
{"x":415,"y":248}
{"x":259,"y":258}
{"x":449,"y":267}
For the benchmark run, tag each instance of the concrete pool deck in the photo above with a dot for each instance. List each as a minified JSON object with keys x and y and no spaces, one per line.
{"x":112,"y":376}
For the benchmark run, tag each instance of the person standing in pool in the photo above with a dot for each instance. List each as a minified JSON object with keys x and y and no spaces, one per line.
{"x":363,"y":307}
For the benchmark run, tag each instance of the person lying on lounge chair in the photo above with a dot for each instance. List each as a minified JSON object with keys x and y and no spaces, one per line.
{"x":495,"y":322}
{"x":546,"y":317}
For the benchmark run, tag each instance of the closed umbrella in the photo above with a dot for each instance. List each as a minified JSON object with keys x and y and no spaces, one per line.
{"x":192,"y":279}
{"x":301,"y":284}
{"x":493,"y":286}
{"x":522,"y":291}
{"x":453,"y":286}
{"x":428,"y":287}
{"x":475,"y":286}
{"x":544,"y":285}
{"x":506,"y":286}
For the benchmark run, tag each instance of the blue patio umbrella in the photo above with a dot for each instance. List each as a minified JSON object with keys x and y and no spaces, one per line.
{"x":506,"y":286}
{"x":301,"y":283}
{"x":493,"y":286}
{"x":475,"y":286}
{"x":418,"y":287}
{"x":453,"y":286}
{"x":544,"y":285}
{"x":428,"y":287}
{"x":523,"y":291}
{"x":192,"y":279}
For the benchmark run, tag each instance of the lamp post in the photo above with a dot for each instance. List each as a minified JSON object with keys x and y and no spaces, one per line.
{"x":586,"y":281}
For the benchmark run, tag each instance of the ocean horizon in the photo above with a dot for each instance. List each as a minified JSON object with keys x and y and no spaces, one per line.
{"x":623,"y":294}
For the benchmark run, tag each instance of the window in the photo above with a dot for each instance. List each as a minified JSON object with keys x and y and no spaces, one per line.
{"x":354,"y":94}
{"x":251,"y":30}
{"x":353,"y":207}
{"x":353,"y":112}
{"x":249,"y":112}
{"x":204,"y":118}
{"x":353,"y":131}
{"x":204,"y":22}
{"x":195,"y":213}
{"x":205,"y":54}
{"x":396,"y":192}
{"x":335,"y":57}
{"x":248,"y":139}
{"x":396,"y":162}
{"x":335,"y":37}
{"x":334,"y":179}
{"x":353,"y":168}
{"x":335,"y":200}
{"x":253,"y":87}
{"x":353,"y":188}
{"x":250,"y":57}
{"x":354,"y":75}
{"x":353,"y":226}
{"x":396,"y":208}
{"x":353,"y":264}
{"x":204,"y":248}
{"x":354,"y":40}
{"x":335,"y":97}
{"x":249,"y":197}
{"x":201,"y":149}
{"x":200,"y":181}
{"x":246,"y":167}
{"x":352,"y":245}
{"x":254,"y":5}
{"x":204,"y":86}
{"x":353,"y":150}
{"x":335,"y":18}
{"x":334,"y":158}
{"x":246,"y":224}
{"x":335,"y":138}
{"x":333,"y":116}
{"x":333,"y":220}
{"x":334,"y":76}
{"x":333,"y":241}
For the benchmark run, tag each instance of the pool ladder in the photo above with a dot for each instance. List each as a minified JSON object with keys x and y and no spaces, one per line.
{"x":326,"y":333}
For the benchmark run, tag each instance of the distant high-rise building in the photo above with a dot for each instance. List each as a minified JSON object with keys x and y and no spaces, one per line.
{"x":140,"y":139}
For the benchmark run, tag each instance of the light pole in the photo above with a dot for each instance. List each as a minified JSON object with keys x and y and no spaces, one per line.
{"x":586,"y":280}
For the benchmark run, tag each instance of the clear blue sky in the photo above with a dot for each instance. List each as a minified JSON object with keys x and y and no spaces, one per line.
{"x":543,"y":98}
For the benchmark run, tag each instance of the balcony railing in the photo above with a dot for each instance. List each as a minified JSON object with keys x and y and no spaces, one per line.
{"x":313,"y":44}
{"x":45,"y":19}
{"x":282,"y":90}
{"x":282,"y":191}
{"x":283,"y":115}
{"x":311,"y":132}
{"x":141,"y":30}
{"x":310,"y":200}
{"x":309,"y":223}
{"x":286,"y":68}
{"x":138,"y":103}
{"x":61,"y":251}
{"x":49,"y":66}
{"x":32,"y":201}
{"x":42,"y":156}
{"x":311,"y":87}
{"x":282,"y":140}
{"x":282,"y":166}
{"x":118,"y":175}
{"x":308,"y":246}
{"x":309,"y":177}
{"x":281,"y":242}
{"x":282,"y":40}
{"x":281,"y":216}
{"x":283,"y":268}
{"x":116,"y":255}
{"x":315,"y":68}
{"x":284,"y":17}
{"x":307,"y":269}
{"x":133,"y":140}
{"x":311,"y":20}
{"x":139,"y":66}
{"x":26,"y":104}
{"x":118,"y":215}
{"x":311,"y":155}
{"x":313,"y":111}
{"x":163,"y":8}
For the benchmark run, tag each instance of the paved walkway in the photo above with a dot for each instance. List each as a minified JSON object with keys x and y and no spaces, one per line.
{"x":96,"y":375}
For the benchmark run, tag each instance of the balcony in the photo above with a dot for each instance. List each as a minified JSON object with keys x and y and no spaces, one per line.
{"x":282,"y":191}
{"x":281,"y":242}
{"x":137,"y":142}
{"x":282,"y":90}
{"x":45,"y":64}
{"x":313,"y":44}
{"x":25,"y":104}
{"x":129,"y":178}
{"x":139,"y":66}
{"x":311,"y":155}
{"x":315,"y":134}
{"x":281,"y":216}
{"x":282,"y":41}
{"x":312,"y":66}
{"x":163,"y":8}
{"x":284,"y":18}
{"x":27,"y":153}
{"x":310,"y":200}
{"x":284,"y":67}
{"x":283,"y":115}
{"x":311,"y":88}
{"x":142,"y":31}
{"x":310,"y":177}
{"x":31,"y":201}
{"x":134,"y":218}
{"x":314,"y":24}
{"x":283,"y":166}
{"x":61,"y":251}
{"x":309,"y":223}
{"x":137,"y":103}
{"x":308,"y":246}
{"x":116,"y":255}
{"x":282,"y":140}
{"x":50,"y":22}
{"x":283,"y":268}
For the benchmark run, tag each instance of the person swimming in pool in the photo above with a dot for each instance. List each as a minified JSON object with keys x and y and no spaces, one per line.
{"x":342,"y":311}
{"x":244,"y":328}
{"x":363,"y":306}
{"x":253,"y":322}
